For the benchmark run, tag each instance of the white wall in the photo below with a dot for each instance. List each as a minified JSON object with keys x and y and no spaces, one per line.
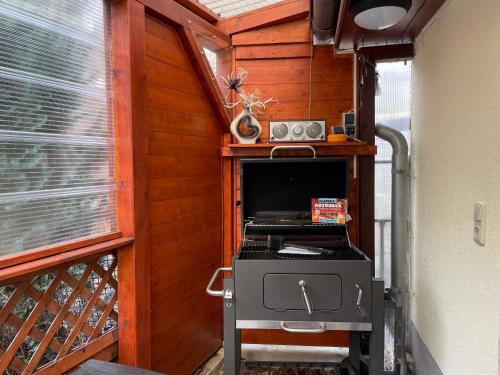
{"x":456,"y":156}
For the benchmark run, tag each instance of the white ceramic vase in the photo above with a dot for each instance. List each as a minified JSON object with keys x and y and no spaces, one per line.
{"x":245,"y":127}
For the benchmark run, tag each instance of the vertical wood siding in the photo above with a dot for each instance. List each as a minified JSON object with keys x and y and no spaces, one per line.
{"x":184,"y":204}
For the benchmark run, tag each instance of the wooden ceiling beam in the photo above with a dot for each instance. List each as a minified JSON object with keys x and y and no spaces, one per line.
{"x":343,"y":10}
{"x":176,"y":13}
{"x":200,"y":10}
{"x":289,"y":10}
{"x":393,"y":52}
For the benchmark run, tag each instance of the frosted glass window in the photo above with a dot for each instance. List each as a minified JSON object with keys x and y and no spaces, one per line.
{"x":212,"y":60}
{"x":393,"y":109}
{"x":56,"y":150}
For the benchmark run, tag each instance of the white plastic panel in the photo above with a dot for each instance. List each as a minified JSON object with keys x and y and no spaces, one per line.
{"x":230,"y":8}
{"x":56,"y":151}
{"x":393,"y":109}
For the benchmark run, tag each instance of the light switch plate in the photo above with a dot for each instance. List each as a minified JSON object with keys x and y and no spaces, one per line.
{"x":479,"y":223}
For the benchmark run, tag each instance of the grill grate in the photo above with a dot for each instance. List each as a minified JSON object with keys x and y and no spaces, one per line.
{"x":336,"y":250}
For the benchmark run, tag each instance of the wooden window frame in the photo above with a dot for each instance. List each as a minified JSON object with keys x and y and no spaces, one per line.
{"x":47,"y":251}
{"x":69,"y":256}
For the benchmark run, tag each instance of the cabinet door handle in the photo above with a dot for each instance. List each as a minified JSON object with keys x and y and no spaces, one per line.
{"x":319,"y":327}
{"x":305,"y":298}
{"x":361,"y":309}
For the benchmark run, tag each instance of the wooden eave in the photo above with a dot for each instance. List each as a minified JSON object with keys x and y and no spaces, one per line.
{"x":289,"y":10}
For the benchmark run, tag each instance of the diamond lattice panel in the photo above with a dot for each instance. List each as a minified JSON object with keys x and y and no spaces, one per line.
{"x":47,"y":317}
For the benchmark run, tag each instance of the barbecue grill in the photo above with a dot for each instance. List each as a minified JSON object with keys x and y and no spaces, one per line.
{"x":294,"y":275}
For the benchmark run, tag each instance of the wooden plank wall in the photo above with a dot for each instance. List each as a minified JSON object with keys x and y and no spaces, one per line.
{"x":184,"y":205}
{"x":281,"y":62}
{"x":309,"y":83}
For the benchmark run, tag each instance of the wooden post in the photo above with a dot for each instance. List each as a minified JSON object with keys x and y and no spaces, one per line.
{"x":365,"y":103}
{"x":228,"y":204}
{"x":128,"y":29}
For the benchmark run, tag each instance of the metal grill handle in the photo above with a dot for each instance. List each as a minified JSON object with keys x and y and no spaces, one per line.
{"x":359,"y":307}
{"x":217,"y":293}
{"x":298,"y":147}
{"x":305,"y":297}
{"x":319,"y":328}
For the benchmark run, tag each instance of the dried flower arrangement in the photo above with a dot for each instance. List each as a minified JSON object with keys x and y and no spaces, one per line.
{"x":249,"y":100}
{"x":245,"y":126}
{"x":235,"y":81}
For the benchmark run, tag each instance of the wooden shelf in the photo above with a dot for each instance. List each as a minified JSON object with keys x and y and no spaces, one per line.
{"x":322,"y":149}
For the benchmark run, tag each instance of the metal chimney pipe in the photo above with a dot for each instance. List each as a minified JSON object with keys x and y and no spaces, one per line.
{"x":324,"y":14}
{"x":399,"y":226}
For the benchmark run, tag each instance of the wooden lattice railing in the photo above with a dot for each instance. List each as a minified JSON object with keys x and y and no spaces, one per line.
{"x":53,"y":320}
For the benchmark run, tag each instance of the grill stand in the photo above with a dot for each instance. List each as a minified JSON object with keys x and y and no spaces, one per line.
{"x":376,"y":351}
{"x":234,"y":365}
{"x":232,"y":336}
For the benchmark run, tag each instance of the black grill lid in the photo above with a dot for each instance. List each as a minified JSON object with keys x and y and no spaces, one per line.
{"x":276,"y":194}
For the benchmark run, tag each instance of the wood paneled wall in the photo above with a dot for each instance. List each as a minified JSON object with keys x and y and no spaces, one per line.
{"x":184,"y":203}
{"x":308,"y":82}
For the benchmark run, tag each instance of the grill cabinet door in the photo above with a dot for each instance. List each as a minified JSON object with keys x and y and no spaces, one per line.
{"x":282,"y":292}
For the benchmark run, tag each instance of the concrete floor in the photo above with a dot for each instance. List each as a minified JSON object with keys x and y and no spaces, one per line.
{"x":279,"y":353}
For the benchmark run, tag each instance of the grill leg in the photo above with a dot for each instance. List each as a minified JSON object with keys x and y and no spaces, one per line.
{"x":376,"y":361}
{"x":354,"y":350}
{"x":232,"y":340}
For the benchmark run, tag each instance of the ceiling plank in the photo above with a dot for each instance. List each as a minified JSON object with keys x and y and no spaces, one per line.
{"x":290,"y":32}
{"x":289,"y":10}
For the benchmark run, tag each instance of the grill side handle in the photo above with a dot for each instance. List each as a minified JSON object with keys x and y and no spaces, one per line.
{"x":298,"y":147}
{"x":217,"y":293}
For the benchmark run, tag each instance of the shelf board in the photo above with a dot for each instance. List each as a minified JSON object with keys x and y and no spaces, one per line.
{"x":349,"y":148}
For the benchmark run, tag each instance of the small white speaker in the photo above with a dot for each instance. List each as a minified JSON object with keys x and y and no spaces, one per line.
{"x":297,"y":131}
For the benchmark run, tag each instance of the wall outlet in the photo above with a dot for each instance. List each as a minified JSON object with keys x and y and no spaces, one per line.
{"x":479,"y":223}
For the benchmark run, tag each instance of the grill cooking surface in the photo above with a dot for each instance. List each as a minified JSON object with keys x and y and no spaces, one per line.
{"x":338,"y":250}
